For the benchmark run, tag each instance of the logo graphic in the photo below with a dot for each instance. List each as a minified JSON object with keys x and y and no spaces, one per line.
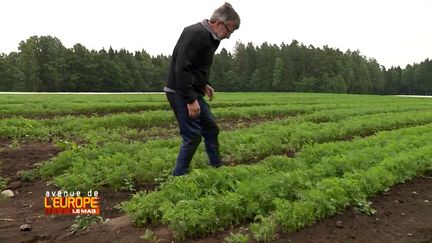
{"x":64,"y":202}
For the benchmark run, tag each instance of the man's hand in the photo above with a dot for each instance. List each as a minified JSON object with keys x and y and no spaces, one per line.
{"x":209,"y":91}
{"x":194,"y":109}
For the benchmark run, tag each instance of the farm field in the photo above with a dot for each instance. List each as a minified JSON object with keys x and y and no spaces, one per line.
{"x":298,"y":167}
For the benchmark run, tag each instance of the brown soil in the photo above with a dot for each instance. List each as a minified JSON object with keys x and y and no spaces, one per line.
{"x":404,"y":213}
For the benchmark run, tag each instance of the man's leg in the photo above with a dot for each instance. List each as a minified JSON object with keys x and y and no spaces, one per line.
{"x":190,"y":131}
{"x":171,"y":100}
{"x":210,"y":132}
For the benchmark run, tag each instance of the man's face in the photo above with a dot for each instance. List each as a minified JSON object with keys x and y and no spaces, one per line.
{"x":225,"y":29}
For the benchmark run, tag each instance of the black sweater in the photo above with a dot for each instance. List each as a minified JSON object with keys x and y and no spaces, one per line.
{"x":191,"y":62}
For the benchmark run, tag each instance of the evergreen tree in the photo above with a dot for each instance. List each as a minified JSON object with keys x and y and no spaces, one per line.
{"x":44,"y":64}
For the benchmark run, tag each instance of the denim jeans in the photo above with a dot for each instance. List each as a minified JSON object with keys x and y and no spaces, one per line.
{"x":191,"y":131}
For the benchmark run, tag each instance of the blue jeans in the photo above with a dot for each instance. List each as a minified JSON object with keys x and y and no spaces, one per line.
{"x":191,"y":131}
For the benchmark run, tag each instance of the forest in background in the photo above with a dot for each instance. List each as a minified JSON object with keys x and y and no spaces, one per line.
{"x":44,"y":64}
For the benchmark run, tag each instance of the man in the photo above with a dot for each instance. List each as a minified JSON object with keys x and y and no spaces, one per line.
{"x":188,"y":83}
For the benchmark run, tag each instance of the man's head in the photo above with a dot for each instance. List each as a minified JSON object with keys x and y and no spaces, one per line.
{"x":225,"y":21}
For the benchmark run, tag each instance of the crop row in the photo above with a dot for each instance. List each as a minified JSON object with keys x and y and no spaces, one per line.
{"x":333,"y":194}
{"x":19,"y":128}
{"x":55,"y":110}
{"x":45,"y":106}
{"x":210,"y":182}
{"x":235,"y":195}
{"x":49,"y":105}
{"x":90,"y":128}
{"x":117,"y":164}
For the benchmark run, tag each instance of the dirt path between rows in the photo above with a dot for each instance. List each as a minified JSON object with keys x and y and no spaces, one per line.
{"x":404,"y":213}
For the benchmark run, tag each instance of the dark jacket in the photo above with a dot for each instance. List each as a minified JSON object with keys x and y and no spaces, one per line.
{"x":191,"y":62}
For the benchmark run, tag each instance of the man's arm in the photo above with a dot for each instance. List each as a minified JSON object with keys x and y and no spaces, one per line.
{"x":209,"y":91}
{"x":187,"y":51}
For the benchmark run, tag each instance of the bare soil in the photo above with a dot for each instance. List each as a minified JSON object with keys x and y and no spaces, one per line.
{"x":404,"y":213}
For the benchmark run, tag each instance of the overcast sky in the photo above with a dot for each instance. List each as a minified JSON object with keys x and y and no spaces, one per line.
{"x":395,"y":32}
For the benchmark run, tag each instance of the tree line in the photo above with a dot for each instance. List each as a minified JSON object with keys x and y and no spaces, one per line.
{"x":44,"y":64}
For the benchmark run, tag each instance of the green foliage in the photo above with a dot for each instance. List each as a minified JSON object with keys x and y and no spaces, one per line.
{"x":237,"y":238}
{"x":364,"y":206}
{"x":44,"y":64}
{"x":3,"y":183}
{"x":294,"y":215}
{"x":82,"y":222}
{"x":29,"y":175}
{"x":343,"y":150}
{"x":66,"y":145}
{"x":264,"y":229}
{"x":149,"y":236}
{"x":335,"y":177}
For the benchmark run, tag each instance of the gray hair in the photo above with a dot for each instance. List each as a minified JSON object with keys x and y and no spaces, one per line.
{"x":226,"y":13}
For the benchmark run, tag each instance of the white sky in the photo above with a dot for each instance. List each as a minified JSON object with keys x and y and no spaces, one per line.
{"x":395,"y":32}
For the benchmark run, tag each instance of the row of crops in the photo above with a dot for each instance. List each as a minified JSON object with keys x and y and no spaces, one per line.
{"x":343,"y":149}
{"x":49,"y":105}
{"x":320,"y":181}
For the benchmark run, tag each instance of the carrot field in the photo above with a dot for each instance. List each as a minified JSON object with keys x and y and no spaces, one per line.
{"x":290,"y":159}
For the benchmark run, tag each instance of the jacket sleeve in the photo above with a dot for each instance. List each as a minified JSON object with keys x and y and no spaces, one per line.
{"x":188,"y":51}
